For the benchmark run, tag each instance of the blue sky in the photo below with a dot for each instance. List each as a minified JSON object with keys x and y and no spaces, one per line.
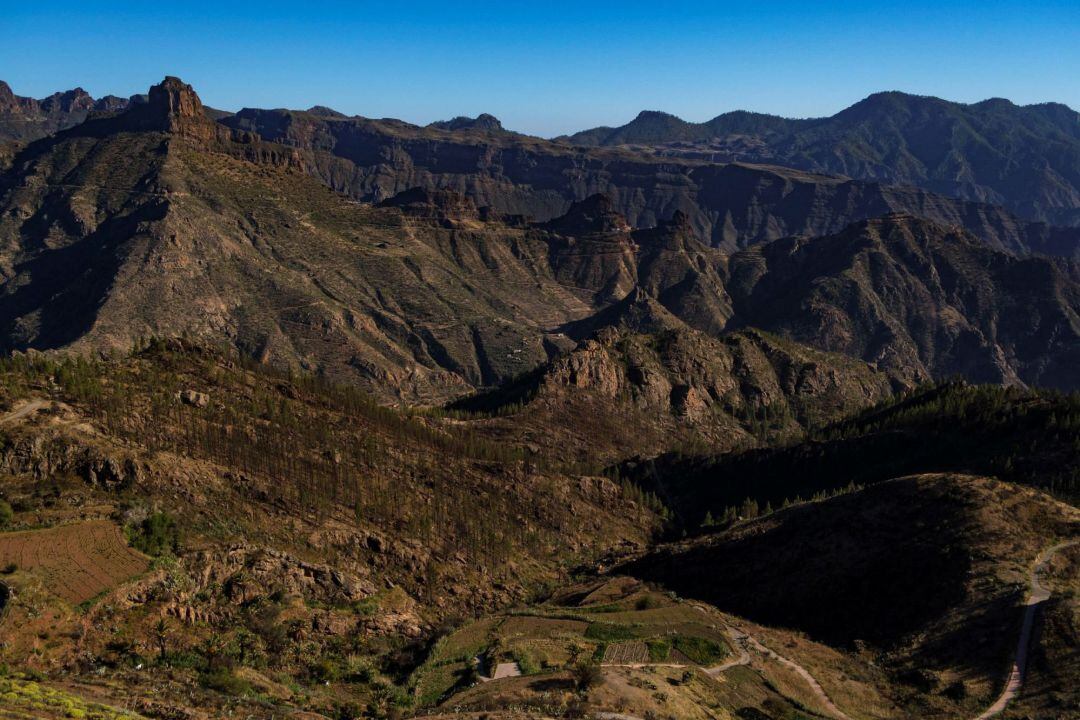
{"x":548,"y":67}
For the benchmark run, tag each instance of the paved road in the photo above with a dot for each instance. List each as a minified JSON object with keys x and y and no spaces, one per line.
{"x":1037,"y":595}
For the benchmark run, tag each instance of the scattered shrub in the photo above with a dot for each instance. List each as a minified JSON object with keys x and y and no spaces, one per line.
{"x":156,"y":535}
{"x":225,"y":682}
{"x":587,"y":675}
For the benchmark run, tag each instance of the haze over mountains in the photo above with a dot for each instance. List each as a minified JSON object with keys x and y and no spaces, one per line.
{"x":756,"y":419}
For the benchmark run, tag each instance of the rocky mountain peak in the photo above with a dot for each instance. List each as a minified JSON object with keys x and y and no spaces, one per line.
{"x":76,"y":100}
{"x":7,"y":97}
{"x":173,"y":98}
{"x":325,"y":112}
{"x":649,"y":115}
{"x":171,"y":106}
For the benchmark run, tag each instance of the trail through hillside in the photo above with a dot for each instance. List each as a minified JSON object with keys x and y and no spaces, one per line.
{"x":1037,"y":595}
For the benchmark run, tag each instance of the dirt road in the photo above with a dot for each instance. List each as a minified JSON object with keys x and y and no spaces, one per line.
{"x":1037,"y":595}
{"x":744,"y":643}
{"x":23,"y":410}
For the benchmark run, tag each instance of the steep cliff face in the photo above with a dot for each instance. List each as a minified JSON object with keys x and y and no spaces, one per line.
{"x":919,"y":300}
{"x":731,"y":205}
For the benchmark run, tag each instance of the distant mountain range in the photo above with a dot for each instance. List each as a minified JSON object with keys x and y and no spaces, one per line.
{"x":1024,"y":158}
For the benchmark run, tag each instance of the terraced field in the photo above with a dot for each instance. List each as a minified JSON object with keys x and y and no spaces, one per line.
{"x":76,"y":562}
{"x":626,"y":653}
{"x":613,"y":622}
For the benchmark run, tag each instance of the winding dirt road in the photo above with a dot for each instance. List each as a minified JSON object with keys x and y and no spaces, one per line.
{"x":1037,"y":595}
{"x":744,"y":643}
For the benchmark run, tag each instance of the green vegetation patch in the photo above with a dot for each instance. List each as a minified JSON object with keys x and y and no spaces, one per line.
{"x":156,"y":535}
{"x":17,"y":693}
{"x":659,"y":650}
{"x":612,"y":632}
{"x":700,"y":650}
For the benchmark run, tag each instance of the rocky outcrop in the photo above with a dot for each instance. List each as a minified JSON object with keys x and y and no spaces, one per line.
{"x":244,"y":573}
{"x":482,"y":122}
{"x":446,"y":207}
{"x":44,"y":455}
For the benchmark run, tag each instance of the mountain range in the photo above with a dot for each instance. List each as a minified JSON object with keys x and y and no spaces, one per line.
{"x":160,"y":220}
{"x":321,"y":417}
{"x":1025,"y":158}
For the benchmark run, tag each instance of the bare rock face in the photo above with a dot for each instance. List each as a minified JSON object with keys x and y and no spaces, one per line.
{"x":446,"y":207}
{"x":172,"y":106}
{"x":175,"y":99}
{"x":194,"y":398}
{"x":245,"y":573}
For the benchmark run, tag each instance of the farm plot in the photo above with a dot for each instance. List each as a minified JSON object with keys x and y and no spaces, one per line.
{"x":626,"y":653}
{"x":541,"y":627}
{"x":76,"y":562}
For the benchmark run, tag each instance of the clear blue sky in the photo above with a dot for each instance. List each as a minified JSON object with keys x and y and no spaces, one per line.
{"x":548,"y":67}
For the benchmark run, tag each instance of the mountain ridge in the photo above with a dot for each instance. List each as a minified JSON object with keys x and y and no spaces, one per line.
{"x":1022,"y":156}
{"x":731,"y":204}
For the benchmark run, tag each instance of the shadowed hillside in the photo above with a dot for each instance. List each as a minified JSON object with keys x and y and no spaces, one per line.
{"x":926,"y":572}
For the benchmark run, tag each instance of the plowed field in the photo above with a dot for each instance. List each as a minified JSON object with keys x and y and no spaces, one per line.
{"x":77,"y":562}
